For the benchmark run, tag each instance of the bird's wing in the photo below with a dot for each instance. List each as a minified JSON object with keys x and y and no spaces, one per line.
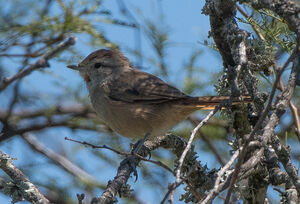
{"x":141,"y":87}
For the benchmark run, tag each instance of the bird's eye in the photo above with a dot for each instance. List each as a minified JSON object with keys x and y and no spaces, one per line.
{"x":97,"y":65}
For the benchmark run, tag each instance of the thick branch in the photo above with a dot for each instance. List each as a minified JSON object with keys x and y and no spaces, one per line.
{"x":197,"y":177}
{"x":281,"y":103}
{"x":119,"y":182}
{"x":27,"y":189}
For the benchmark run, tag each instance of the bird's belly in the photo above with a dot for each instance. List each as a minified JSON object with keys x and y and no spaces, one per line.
{"x":128,"y":121}
{"x":135,"y":120}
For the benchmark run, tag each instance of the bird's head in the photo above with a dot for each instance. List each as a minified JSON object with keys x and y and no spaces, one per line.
{"x":100,"y":64}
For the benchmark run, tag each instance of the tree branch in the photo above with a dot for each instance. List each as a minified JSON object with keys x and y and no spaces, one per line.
{"x":27,"y":189}
{"x":60,"y":160}
{"x":42,"y":62}
{"x":217,"y":187}
{"x":11,"y":128}
{"x":188,"y":147}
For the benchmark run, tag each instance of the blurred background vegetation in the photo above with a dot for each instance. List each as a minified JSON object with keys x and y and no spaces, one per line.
{"x":52,"y":103}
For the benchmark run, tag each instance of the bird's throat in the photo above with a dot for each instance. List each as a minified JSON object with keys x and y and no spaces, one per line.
{"x":86,"y":77}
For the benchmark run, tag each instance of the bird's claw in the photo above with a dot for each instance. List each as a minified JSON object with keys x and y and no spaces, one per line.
{"x":132,"y":162}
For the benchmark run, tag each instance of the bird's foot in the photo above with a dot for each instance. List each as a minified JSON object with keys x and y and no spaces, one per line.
{"x":132,"y":161}
{"x":138,"y":150}
{"x":138,"y":146}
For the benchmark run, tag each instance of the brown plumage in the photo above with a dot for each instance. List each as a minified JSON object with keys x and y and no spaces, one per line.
{"x":133,"y":102}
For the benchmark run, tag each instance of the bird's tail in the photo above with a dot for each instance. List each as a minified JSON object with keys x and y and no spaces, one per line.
{"x":210,"y":102}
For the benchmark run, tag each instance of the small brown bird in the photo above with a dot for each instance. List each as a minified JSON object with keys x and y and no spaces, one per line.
{"x":134,"y":103}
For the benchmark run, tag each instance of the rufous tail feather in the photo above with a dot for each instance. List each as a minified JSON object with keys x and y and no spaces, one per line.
{"x":210,"y":102}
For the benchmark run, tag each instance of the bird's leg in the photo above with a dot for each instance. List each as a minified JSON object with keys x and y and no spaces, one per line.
{"x":138,"y":146}
{"x":132,"y":160}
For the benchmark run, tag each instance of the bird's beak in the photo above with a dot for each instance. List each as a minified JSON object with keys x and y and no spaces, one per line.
{"x":78,"y":68}
{"x":75,"y":67}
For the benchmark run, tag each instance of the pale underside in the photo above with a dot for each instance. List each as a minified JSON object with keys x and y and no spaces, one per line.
{"x":143,"y":104}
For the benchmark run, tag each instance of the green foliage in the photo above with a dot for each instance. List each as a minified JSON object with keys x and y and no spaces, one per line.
{"x":261,"y":55}
{"x":158,"y":37}
{"x":191,"y":82}
{"x":272,"y":29}
{"x":48,"y":27}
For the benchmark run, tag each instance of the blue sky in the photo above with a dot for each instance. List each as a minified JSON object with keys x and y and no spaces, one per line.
{"x":187,"y":27}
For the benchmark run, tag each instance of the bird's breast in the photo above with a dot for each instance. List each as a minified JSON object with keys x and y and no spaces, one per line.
{"x":134,"y":120}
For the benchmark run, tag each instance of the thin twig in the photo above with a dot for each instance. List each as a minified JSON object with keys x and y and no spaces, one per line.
{"x":254,"y":26}
{"x":98,"y":146}
{"x":35,"y":127}
{"x":42,"y":62}
{"x":14,"y":100}
{"x":235,"y":174}
{"x":171,"y":189}
{"x":158,"y":163}
{"x":60,"y":160}
{"x":188,"y":146}
{"x":74,"y":110}
{"x":216,"y":190}
{"x":293,"y":109}
{"x":177,"y":145}
{"x":33,"y":54}
{"x":208,"y":142}
{"x":13,"y":127}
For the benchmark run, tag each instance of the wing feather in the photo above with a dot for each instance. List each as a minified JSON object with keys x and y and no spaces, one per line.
{"x":141,"y":87}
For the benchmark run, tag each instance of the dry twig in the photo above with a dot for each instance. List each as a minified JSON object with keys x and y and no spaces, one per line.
{"x":42,"y":62}
{"x":60,"y":160}
{"x":187,"y":149}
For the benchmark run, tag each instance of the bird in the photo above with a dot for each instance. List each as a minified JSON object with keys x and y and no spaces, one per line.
{"x":134,"y":103}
